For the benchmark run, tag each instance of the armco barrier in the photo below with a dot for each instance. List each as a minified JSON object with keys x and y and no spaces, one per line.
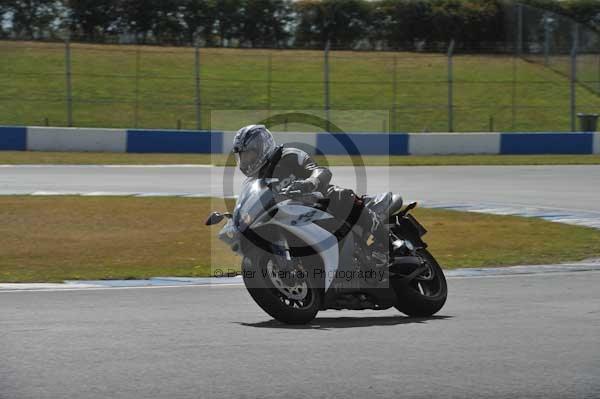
{"x":547,"y":143}
{"x":13,"y":138}
{"x":177,"y":141}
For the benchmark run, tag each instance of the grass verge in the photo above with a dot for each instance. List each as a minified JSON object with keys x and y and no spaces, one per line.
{"x":50,"y":239}
{"x":107,"y":158}
{"x":153,"y":87}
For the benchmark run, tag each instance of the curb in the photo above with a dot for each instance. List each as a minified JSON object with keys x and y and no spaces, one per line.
{"x":172,"y":282}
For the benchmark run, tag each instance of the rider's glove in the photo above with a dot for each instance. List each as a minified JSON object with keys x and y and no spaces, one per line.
{"x":305,"y":186}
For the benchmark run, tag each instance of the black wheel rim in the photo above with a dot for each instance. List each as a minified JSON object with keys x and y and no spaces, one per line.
{"x":428,"y":283}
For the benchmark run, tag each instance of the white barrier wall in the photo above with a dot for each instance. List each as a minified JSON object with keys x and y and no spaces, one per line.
{"x":76,"y":139}
{"x":454,"y":143}
{"x":227,"y":142}
{"x":19,"y":138}
{"x":303,"y":140}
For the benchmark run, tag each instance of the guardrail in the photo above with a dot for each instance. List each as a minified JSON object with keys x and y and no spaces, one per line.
{"x":13,"y":138}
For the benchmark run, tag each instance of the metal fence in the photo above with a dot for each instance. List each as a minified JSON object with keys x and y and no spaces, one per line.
{"x":549,"y":73}
{"x":563,"y":46}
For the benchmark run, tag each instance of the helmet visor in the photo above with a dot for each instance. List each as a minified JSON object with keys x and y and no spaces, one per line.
{"x":247,"y":160}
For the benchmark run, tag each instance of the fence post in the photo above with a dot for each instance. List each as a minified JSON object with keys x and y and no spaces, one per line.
{"x":513,"y":109}
{"x":198,"y":102}
{"x":516,"y":54}
{"x":573,"y":76}
{"x":269,"y":82}
{"x":546,"y":39}
{"x":137,"y":87}
{"x":598,"y":82}
{"x":450,"y":87}
{"x":326,"y":82}
{"x":68,"y":82}
{"x":394,"y":127}
{"x":519,"y":29}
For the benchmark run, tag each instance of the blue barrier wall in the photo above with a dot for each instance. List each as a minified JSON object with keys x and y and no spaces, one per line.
{"x":13,"y":138}
{"x":547,"y":143}
{"x":175,"y":141}
{"x":362,"y":143}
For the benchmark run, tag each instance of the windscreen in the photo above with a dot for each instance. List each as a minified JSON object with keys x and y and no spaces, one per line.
{"x":254,"y":199}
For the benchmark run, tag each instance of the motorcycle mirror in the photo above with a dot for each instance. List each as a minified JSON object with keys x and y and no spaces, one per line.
{"x":409,"y":207}
{"x":216,"y":217}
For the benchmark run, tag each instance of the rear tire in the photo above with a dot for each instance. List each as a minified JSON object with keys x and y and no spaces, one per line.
{"x":282,"y":305}
{"x":422,"y":298}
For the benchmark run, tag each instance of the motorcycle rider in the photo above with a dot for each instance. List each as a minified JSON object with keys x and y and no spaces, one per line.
{"x":257,"y":155}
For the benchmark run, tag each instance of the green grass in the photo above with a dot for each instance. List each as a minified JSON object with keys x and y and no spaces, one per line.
{"x":50,"y":239}
{"x":107,"y":158}
{"x":106,"y":92}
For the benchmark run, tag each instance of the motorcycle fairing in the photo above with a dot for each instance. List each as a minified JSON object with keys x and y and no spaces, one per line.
{"x":298,"y":220}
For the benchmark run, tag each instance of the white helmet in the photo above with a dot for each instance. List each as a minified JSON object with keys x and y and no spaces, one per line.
{"x":253,"y":145}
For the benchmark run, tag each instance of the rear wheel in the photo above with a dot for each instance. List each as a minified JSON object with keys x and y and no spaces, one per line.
{"x":289,"y":296}
{"x":426,"y":293}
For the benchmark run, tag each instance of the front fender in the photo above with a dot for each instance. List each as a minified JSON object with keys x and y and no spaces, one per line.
{"x":297,"y":219}
{"x":407,"y":227}
{"x":324,"y":244}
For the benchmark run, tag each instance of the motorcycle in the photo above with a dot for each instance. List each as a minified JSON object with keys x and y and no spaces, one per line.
{"x":297,"y":258}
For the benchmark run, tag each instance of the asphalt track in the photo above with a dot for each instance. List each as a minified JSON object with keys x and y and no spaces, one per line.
{"x":530,"y":336}
{"x":533,"y":336}
{"x":575,"y":187}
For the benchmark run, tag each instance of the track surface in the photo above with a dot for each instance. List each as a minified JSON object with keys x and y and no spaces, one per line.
{"x":575,"y":187}
{"x":533,"y":336}
{"x":498,"y":337}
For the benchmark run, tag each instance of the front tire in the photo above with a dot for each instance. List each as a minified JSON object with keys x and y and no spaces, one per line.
{"x":297,"y":303}
{"x":424,"y":295}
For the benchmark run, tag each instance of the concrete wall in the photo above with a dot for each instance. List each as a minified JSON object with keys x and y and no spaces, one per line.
{"x":454,"y":143}
{"x":13,"y":138}
{"x":547,"y":143}
{"x":73,"y":139}
{"x":362,"y":143}
{"x":176,"y":141}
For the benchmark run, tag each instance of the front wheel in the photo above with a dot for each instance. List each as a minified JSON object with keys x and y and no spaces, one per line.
{"x":425,"y":294}
{"x":289,"y":296}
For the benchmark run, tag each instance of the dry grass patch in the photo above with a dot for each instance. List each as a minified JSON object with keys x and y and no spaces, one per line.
{"x":60,"y":238}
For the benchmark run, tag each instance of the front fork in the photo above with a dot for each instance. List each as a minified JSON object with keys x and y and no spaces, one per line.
{"x":291,"y":268}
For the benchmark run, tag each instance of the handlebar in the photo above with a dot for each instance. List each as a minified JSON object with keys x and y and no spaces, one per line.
{"x":293,"y":194}
{"x":298,"y":194}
